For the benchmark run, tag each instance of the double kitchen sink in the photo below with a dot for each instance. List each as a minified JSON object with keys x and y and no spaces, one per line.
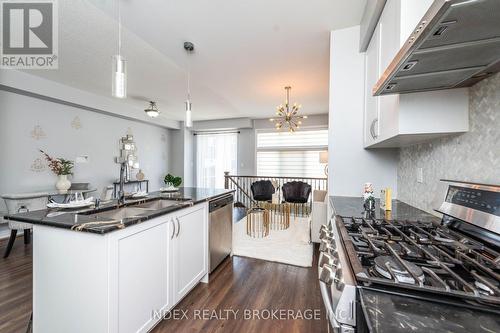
{"x":133,"y":210}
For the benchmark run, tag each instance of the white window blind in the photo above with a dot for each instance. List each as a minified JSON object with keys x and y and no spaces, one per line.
{"x":318,"y":138}
{"x":284,"y":154}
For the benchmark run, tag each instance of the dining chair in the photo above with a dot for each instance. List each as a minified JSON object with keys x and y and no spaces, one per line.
{"x":297,"y":193}
{"x":21,"y":203}
{"x":262,"y":190}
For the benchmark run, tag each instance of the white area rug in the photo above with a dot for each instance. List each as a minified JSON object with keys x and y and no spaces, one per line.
{"x":289,"y":246}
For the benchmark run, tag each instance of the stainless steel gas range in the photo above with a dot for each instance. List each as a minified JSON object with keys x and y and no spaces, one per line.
{"x":456,"y":261}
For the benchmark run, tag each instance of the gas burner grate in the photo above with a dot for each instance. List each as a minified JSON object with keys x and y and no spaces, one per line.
{"x":421,"y":256}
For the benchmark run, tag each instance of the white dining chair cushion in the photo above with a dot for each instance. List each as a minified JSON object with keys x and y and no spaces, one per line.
{"x":18,"y":203}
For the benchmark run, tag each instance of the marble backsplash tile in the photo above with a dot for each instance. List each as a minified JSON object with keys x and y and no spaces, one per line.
{"x":473,"y":156}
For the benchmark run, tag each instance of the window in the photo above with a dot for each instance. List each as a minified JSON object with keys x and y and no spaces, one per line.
{"x":285,"y":154}
{"x":215,"y":154}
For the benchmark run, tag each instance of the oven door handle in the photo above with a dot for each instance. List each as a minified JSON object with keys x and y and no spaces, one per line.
{"x":325,"y":294}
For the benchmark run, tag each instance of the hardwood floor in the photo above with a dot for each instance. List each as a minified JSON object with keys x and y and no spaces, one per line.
{"x":241,"y":284}
{"x":15,"y":287}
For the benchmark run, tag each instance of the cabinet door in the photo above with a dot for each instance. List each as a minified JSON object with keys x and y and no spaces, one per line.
{"x":372,"y":75}
{"x":389,"y":33}
{"x":387,"y":125}
{"x":143,"y":277}
{"x":411,"y":13}
{"x":190,"y":250}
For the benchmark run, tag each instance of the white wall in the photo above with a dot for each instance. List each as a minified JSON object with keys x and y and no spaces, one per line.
{"x":26,"y":83}
{"x":182,"y":155}
{"x":98,"y":138}
{"x":246,"y":152}
{"x":222,"y":124}
{"x":350,"y":165}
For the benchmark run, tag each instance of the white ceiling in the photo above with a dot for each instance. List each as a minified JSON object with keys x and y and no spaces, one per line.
{"x":245,"y":52}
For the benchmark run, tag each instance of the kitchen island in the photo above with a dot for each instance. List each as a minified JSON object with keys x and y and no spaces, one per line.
{"x":118,"y":267}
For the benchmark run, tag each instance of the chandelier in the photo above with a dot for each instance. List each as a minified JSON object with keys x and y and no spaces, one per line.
{"x":287,"y":115}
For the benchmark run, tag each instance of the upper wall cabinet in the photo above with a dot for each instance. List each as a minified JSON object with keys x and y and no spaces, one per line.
{"x":399,"y":120}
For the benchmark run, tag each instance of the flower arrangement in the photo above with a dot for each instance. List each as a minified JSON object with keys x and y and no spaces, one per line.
{"x":59,"y":166}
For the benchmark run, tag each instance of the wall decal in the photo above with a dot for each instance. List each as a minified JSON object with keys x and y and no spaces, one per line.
{"x":76,"y":123}
{"x":37,"y":133}
{"x":38,"y":165}
{"x":163,"y":138}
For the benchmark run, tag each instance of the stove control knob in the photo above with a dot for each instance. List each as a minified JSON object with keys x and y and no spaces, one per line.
{"x":326,"y":227}
{"x":335,"y":255}
{"x":337,"y":278}
{"x":325,"y":259}
{"x":325,"y":233}
{"x":326,"y":274}
{"x":328,"y":249}
{"x":325,"y":244}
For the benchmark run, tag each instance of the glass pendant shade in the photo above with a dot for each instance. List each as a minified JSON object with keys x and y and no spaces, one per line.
{"x":189,"y":119}
{"x":119,"y":77}
{"x":152,"y":113}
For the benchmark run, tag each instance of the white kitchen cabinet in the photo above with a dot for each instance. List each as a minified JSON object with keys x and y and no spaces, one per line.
{"x":189,"y":251}
{"x":116,"y":282}
{"x":371,"y":76}
{"x":143,"y":277}
{"x":399,"y":120}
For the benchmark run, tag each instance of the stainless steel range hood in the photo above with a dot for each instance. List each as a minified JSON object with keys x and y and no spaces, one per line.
{"x":456,"y":44}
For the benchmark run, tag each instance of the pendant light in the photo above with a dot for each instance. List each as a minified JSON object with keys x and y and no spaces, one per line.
{"x":152,"y":111}
{"x":119,"y":85}
{"x":189,"y":47}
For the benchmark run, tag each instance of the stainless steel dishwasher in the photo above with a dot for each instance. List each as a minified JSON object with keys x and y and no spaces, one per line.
{"x":221,"y":229}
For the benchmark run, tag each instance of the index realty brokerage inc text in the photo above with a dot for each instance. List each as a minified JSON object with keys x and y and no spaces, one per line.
{"x":245,"y":314}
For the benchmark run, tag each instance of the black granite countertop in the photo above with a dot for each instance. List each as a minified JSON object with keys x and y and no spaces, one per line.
{"x":386,"y":312}
{"x":353,"y":206}
{"x":89,"y":220}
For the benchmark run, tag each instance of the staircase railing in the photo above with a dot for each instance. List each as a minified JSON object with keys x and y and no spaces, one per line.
{"x":242,"y":184}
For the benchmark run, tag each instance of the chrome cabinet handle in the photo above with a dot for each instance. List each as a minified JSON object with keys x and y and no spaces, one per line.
{"x":372,"y":128}
{"x":173,"y":230}
{"x":178,"y":227}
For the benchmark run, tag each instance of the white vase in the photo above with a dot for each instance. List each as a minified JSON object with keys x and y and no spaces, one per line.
{"x":63,"y":184}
